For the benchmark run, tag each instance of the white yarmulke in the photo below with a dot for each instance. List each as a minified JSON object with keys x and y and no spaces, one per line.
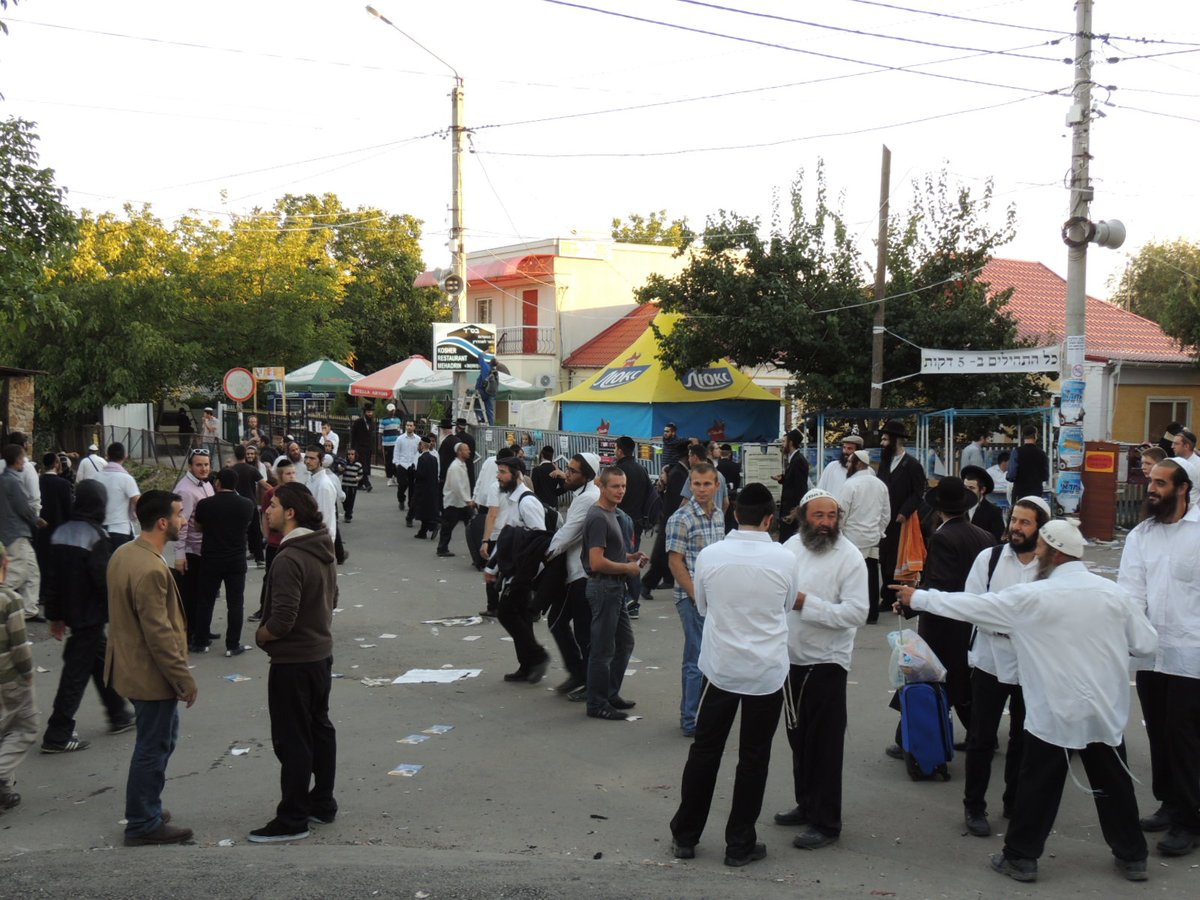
{"x":817,"y":494}
{"x":1039,"y":503}
{"x":1064,"y":536}
{"x":864,"y":456}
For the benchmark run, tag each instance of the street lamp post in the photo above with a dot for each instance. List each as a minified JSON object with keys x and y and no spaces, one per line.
{"x":458,"y":253}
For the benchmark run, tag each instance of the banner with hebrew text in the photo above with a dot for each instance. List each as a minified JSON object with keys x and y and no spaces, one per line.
{"x":980,"y":362}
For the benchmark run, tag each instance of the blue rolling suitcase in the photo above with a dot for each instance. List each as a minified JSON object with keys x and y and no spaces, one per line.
{"x":926,"y":730}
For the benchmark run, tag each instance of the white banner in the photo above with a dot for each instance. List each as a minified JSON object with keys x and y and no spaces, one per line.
{"x":978,"y":362}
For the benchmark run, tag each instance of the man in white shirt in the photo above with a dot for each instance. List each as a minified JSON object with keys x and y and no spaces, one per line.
{"x":90,"y":464}
{"x":830,"y":604}
{"x":405,"y":451}
{"x":323,"y":488}
{"x":1073,"y":633}
{"x":328,"y":435}
{"x":569,"y":616}
{"x":866,"y":512}
{"x":744,"y":658}
{"x":835,"y":474}
{"x":995,"y":678}
{"x":456,"y":498}
{"x":1183,"y":445}
{"x":123,"y":493}
{"x":1160,"y":567}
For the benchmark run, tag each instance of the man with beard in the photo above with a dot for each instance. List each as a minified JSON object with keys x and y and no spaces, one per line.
{"x":793,"y":481}
{"x":905,"y":480}
{"x":1183,"y":445}
{"x":193,"y":487}
{"x":426,"y":492}
{"x":297,"y":457}
{"x":953,"y":547}
{"x":831,"y":581}
{"x":456,"y":498}
{"x":866,"y":511}
{"x":835,"y":474}
{"x":1073,"y":633}
{"x":995,"y":678}
{"x":1160,"y":569}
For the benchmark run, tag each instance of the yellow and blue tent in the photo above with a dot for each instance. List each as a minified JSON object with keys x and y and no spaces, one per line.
{"x":636,"y":395}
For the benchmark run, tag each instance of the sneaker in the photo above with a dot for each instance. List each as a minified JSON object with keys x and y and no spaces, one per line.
{"x":1016,"y":869}
{"x":607,"y":712}
{"x":1178,"y":842}
{"x":1131,"y":869}
{"x":571,"y":684}
{"x":275,"y":832}
{"x":578,"y":695}
{"x":238,"y":650}
{"x":322,"y":818}
{"x":977,"y":824}
{"x":163,"y":834}
{"x":198,"y":648}
{"x":9,"y":800}
{"x":812,"y":839}
{"x":254,"y":617}
{"x":123,"y":725}
{"x":895,"y":751}
{"x":634,"y":610}
{"x":72,"y":746}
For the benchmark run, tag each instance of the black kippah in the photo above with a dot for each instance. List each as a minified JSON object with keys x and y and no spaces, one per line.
{"x":754,"y":494}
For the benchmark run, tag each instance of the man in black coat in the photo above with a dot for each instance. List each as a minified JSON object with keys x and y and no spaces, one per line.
{"x":953,"y":547}
{"x":545,"y":485}
{"x":1028,"y":468}
{"x":224,"y":518}
{"x":76,"y":598}
{"x":637,"y":486}
{"x":363,"y":434}
{"x":905,"y":480}
{"x":794,"y":481}
{"x":426,"y":492}
{"x":986,"y":514}
{"x":56,"y":509}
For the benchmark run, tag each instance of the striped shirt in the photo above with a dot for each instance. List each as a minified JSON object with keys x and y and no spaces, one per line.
{"x":351,"y":475}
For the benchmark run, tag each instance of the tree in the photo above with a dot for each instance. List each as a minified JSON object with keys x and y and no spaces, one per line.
{"x":653,"y":230}
{"x":1161,"y":283}
{"x":36,"y":230}
{"x":798,"y":299}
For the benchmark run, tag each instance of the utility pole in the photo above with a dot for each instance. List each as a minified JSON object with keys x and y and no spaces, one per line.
{"x":885,"y":178}
{"x":458,"y":253}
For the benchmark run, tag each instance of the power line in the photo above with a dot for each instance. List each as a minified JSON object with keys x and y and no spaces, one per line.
{"x":790,"y":49}
{"x":783,"y":141}
{"x":874,"y":34}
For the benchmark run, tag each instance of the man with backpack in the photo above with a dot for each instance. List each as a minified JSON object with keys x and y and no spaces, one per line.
{"x":487,"y":385}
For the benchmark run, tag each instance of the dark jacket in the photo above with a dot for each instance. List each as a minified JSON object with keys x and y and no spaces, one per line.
{"x":301,"y":594}
{"x":989,"y":518}
{"x":362,"y":437}
{"x":637,"y":488}
{"x":223,"y":519}
{"x":906,"y":486}
{"x":546,"y":488}
{"x":1032,"y":470}
{"x":74,"y":581}
{"x":56,"y":509}
{"x":795,"y":483}
{"x":426,"y":491}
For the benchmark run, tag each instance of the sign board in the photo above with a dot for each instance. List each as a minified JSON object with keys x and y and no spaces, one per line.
{"x":1100,"y":461}
{"x":645,"y":451}
{"x":269,"y":373}
{"x":239,"y":384}
{"x":992,"y":362}
{"x":456,"y":347}
{"x":760,"y":463}
{"x":607,"y":448}
{"x":1070,"y":401}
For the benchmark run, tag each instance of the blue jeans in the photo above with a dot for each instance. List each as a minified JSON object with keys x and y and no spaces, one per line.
{"x":157,"y":732}
{"x":690,"y":677}
{"x":612,"y":640}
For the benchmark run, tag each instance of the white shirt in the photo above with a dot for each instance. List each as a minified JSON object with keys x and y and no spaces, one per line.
{"x":121,"y":490}
{"x":331,"y":437}
{"x":406,"y":450}
{"x":457,"y":491}
{"x":484,"y":482}
{"x":835,"y":604}
{"x":569,"y":537}
{"x":972,"y":455}
{"x":1073,"y":633}
{"x":528,"y":514}
{"x":1192,"y":466}
{"x":833,"y":477}
{"x":992,"y":651}
{"x":1160,"y":568}
{"x":325,"y":491}
{"x":866,"y":509}
{"x":1000,"y":480}
{"x":89,"y":466}
{"x":744,"y":648}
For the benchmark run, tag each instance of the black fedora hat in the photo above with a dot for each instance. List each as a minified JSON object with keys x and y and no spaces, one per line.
{"x":951,"y":496}
{"x":895,"y":428}
{"x":979,"y":474}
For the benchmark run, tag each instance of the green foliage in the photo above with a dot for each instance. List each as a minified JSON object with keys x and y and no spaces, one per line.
{"x":638,"y":229}
{"x":1162,"y":283}
{"x":36,"y":230}
{"x":798,"y":299}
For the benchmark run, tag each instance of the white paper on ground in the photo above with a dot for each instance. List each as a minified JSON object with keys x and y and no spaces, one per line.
{"x":387,"y":637}
{"x":455,"y":620}
{"x":435,"y":676}
{"x":406,"y":770}
{"x":472,"y":637}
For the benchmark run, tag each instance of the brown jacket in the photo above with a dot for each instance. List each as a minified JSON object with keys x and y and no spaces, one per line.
{"x":147,"y":634}
{"x":302,"y":592}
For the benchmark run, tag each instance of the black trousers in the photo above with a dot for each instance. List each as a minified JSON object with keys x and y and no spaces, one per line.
{"x":389,"y":467}
{"x":786,"y":529}
{"x":872,"y":590}
{"x":405,"y":480}
{"x":348,"y":503}
{"x":254,"y":539}
{"x":214,"y":573}
{"x":268,"y":557}
{"x":816,"y":730}
{"x":658,"y":570}
{"x":889,"y":549}
{"x":303,"y":738}
{"x":364,"y":457}
{"x":714,"y":720}
{"x":1043,"y":773}
{"x":188,"y":583}
{"x":988,"y":695}
{"x":83,"y":661}
{"x":570,"y":620}
{"x":513,"y":613}
{"x":451,"y":516}
{"x":1171,"y":708}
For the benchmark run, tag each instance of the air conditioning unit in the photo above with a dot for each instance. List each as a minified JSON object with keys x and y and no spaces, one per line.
{"x":545,"y":381}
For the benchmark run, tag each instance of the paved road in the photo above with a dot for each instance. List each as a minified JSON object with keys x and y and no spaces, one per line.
{"x":524,"y":798}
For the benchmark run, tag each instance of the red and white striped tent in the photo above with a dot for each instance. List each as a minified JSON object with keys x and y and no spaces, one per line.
{"x":386,"y":383}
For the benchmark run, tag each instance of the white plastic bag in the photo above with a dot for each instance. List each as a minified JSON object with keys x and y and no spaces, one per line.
{"x":912,"y":660}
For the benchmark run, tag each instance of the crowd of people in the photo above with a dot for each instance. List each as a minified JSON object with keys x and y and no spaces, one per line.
{"x":1007,"y":606}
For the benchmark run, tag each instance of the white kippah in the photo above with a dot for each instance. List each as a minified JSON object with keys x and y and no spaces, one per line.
{"x":1064,"y":536}
{"x":817,"y":494}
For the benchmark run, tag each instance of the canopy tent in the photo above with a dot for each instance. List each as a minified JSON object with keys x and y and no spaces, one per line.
{"x":441,"y":384}
{"x":636,"y":395}
{"x":322,"y":376}
{"x":386,"y":383}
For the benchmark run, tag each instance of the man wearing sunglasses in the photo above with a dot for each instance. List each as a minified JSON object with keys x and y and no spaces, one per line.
{"x":192,"y":488}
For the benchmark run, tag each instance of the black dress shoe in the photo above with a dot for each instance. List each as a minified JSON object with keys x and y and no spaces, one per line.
{"x":619,"y":702}
{"x":538,"y":672}
{"x":977,"y":824}
{"x":1160,"y":820}
{"x":793,"y":817}
{"x":519,"y":675}
{"x":811,"y":839}
{"x":1179,"y":842}
{"x":895,"y":751}
{"x":759,"y":852}
{"x":683,"y":851}
{"x":570,"y":684}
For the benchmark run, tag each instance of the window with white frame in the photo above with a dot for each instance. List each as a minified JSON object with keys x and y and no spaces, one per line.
{"x":483,"y":310}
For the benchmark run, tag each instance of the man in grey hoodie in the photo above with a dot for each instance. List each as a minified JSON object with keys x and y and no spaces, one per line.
{"x":296,"y":633}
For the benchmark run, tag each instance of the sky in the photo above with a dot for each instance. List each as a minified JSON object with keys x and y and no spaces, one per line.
{"x":578,"y":115}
